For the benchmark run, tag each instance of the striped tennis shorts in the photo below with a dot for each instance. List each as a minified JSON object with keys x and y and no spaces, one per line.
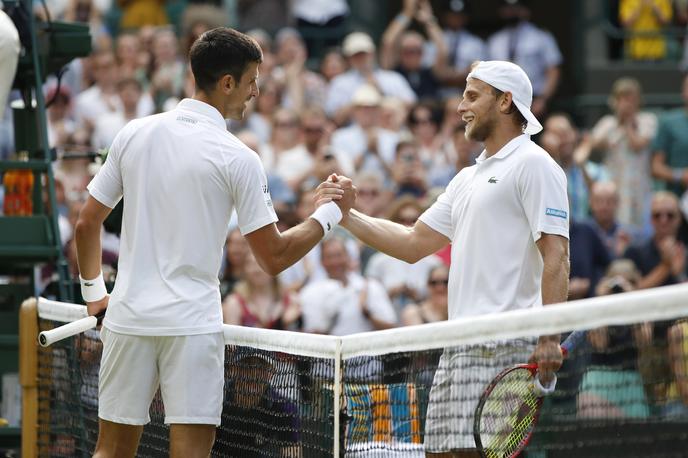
{"x":462,"y":375}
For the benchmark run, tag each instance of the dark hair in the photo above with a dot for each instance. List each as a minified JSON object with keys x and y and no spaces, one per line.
{"x":219,"y":52}
{"x":513,"y":110}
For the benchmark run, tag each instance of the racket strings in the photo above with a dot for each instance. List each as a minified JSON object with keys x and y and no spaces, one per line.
{"x":508,"y":414}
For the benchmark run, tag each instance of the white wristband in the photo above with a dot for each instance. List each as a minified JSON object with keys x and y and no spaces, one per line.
{"x":328,"y":215}
{"x":93,"y":290}
{"x":541,"y":390}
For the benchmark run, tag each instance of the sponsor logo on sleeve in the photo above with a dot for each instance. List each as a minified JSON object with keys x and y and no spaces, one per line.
{"x":556,"y":212}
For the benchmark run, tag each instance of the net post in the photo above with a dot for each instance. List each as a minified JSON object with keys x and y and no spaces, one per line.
{"x":28,"y":376}
{"x":336,"y":394}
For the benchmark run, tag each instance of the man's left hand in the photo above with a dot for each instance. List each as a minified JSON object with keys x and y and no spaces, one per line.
{"x":548,"y":357}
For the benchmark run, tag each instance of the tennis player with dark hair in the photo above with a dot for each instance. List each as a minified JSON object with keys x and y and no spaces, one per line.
{"x":182,"y":174}
{"x":507,"y":220}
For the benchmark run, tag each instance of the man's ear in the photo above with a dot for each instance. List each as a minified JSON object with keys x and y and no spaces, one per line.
{"x":505,"y":103}
{"x":227,"y":84}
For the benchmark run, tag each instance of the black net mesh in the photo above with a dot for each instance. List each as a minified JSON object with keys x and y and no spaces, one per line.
{"x":622,"y":393}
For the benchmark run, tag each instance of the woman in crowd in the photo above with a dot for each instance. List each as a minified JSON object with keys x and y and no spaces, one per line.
{"x":259,"y":301}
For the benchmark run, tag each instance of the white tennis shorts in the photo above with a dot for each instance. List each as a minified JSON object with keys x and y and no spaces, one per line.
{"x":188,"y":369}
{"x":462,"y":375}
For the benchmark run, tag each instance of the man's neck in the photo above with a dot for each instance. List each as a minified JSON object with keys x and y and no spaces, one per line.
{"x":499,"y":139}
{"x":210,"y":100}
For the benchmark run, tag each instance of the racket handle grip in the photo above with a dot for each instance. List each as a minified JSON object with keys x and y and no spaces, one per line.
{"x":572,"y":341}
{"x":47,"y":338}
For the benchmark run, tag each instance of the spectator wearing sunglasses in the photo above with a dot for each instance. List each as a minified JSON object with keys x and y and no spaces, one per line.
{"x":661,"y":258}
{"x":434,"y":307}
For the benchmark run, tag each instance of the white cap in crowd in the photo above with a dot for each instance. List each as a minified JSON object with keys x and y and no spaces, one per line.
{"x":509,"y":77}
{"x":357,"y":42}
{"x":366,"y":96}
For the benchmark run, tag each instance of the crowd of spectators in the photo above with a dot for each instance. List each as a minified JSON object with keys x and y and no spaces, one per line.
{"x":385,"y":114}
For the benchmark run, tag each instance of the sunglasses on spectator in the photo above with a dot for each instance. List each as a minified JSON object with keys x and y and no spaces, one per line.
{"x":438,"y":281}
{"x":287,"y":124}
{"x":313,"y":130}
{"x":668,"y":215}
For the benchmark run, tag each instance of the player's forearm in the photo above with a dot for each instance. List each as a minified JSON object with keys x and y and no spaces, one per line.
{"x":294,"y":244}
{"x":383,"y":235}
{"x":88,"y":248}
{"x":555,"y":280}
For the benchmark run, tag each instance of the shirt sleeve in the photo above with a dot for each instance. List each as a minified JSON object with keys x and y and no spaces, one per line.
{"x":550,"y":50}
{"x":439,"y":216}
{"x":251,"y":194}
{"x":106,"y":187}
{"x":662,"y":140}
{"x":542,"y":188}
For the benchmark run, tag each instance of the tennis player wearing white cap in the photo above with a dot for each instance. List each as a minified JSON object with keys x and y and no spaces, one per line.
{"x":507,"y":220}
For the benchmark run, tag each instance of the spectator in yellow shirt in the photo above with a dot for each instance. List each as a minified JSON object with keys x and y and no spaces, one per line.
{"x":645,"y":19}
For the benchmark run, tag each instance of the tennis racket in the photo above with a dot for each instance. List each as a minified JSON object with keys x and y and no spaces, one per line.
{"x":509,"y":408}
{"x":47,"y":338}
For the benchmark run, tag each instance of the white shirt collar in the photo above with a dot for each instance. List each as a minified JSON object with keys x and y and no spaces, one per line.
{"x":505,"y":150}
{"x":204,"y":109}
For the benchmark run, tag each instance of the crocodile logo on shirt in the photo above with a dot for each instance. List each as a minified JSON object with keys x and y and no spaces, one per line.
{"x":492,"y":180}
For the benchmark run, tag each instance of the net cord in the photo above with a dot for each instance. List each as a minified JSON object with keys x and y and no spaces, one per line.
{"x":617,"y":309}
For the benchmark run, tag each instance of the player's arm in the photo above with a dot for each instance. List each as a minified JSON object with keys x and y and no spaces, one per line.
{"x":89,"y":253}
{"x":409,"y":244}
{"x":275,"y":250}
{"x":555,"y":279}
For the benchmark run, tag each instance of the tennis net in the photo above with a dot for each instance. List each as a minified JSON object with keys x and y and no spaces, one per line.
{"x":622,"y":393}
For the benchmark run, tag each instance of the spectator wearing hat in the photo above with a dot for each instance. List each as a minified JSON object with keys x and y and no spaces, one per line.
{"x":359,"y":49}
{"x":402,"y":49}
{"x":370,"y":146}
{"x":532,"y":48}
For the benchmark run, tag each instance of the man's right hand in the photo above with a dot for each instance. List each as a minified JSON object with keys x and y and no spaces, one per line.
{"x":348,"y":200}
{"x":94,"y":308}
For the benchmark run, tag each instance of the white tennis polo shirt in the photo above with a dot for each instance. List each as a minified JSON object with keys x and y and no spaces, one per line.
{"x":181,"y":174}
{"x":494,"y":212}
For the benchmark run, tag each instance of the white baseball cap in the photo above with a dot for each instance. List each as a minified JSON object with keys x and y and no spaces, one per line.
{"x":509,"y":77}
{"x":357,"y":42}
{"x":366,"y":96}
